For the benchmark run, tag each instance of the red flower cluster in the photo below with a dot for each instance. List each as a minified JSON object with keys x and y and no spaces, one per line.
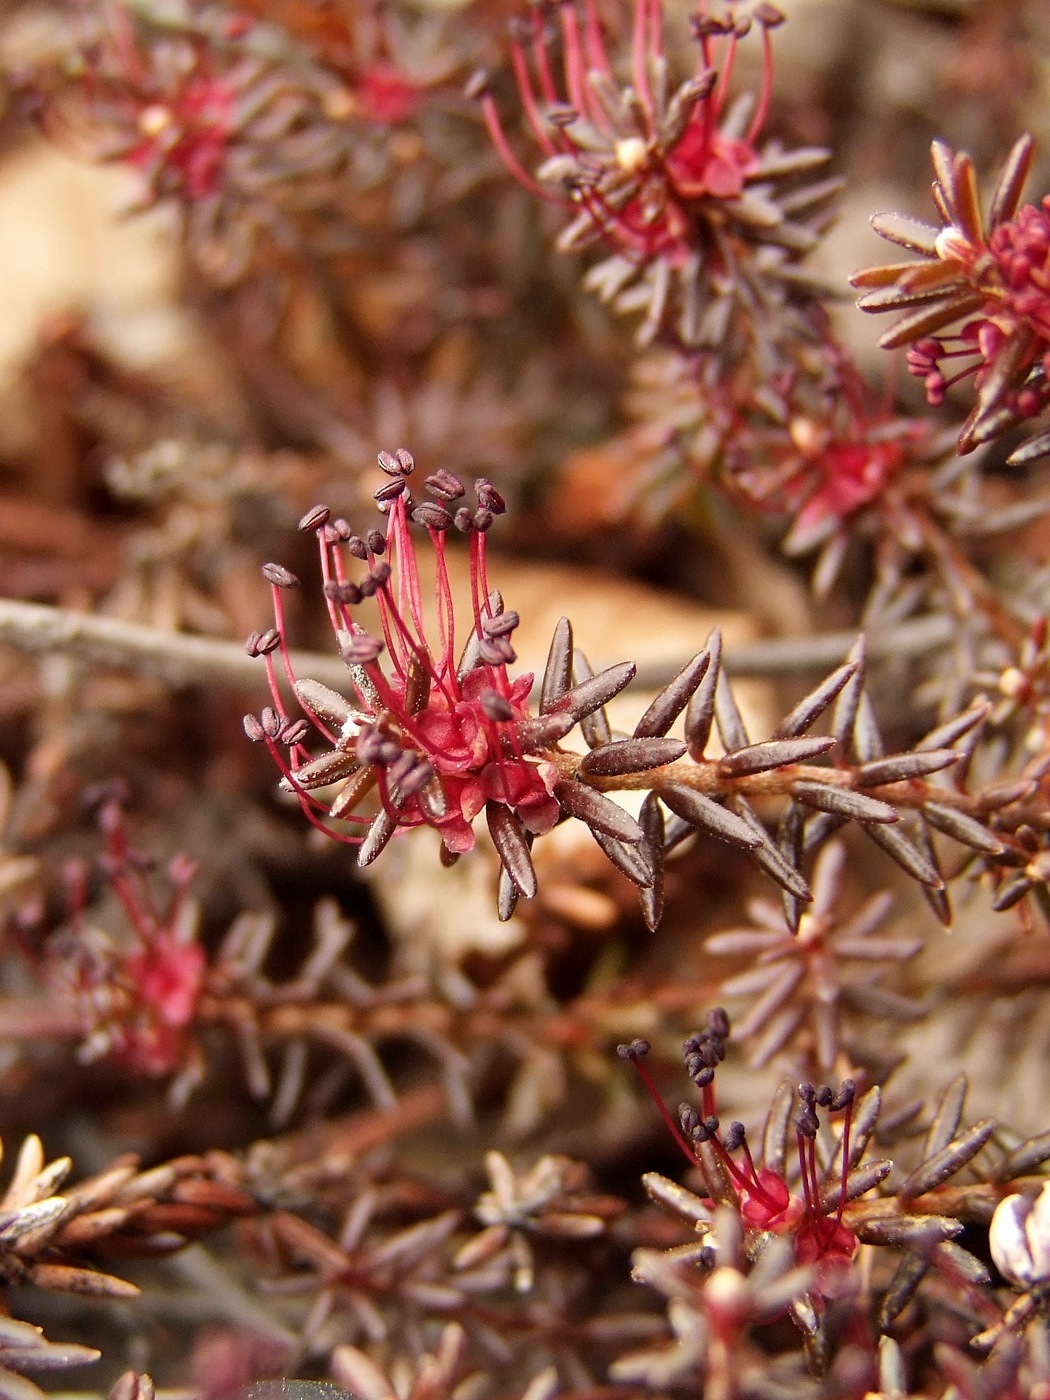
{"x":843,"y":448}
{"x":188,"y":138}
{"x":250,"y":134}
{"x":138,"y":996}
{"x":672,"y":177}
{"x":435,"y":735}
{"x":634,"y":167}
{"x":762,"y":1195}
{"x":385,"y":95}
{"x":989,"y":280}
{"x":167,"y":108}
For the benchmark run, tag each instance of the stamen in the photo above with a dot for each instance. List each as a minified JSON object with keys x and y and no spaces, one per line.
{"x":747,"y":1181}
{"x":656,"y":34}
{"x":510,"y":160}
{"x":721,"y":91}
{"x":749,"y":1160}
{"x":542,"y":60}
{"x":766,"y":90}
{"x":635,"y":1052}
{"x":333,"y":579}
{"x":411,"y":653}
{"x":478,"y":581}
{"x":573,"y":62}
{"x":845,"y":1097}
{"x":597,"y":57}
{"x":536,"y":124}
{"x":445,"y":606}
{"x":129,"y":886}
{"x":275,"y":694}
{"x":279,"y":578}
{"x":408,"y":576}
{"x":640,"y":63}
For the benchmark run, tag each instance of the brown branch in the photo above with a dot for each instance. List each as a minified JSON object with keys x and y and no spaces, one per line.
{"x":182,"y":659}
{"x":705,"y":777}
{"x":177,"y":658}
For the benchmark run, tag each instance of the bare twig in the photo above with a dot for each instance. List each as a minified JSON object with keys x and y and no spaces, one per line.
{"x":177,"y":658}
{"x":777,"y":656}
{"x":181,"y":659}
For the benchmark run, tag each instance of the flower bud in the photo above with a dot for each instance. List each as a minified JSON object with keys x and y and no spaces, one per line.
{"x":1019,"y":1239}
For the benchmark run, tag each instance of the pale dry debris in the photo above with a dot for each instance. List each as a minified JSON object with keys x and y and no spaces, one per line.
{"x":714,"y":1305}
{"x":435,"y":1376}
{"x":543,"y":1201}
{"x":1019,"y":1239}
{"x":24,"y":1347}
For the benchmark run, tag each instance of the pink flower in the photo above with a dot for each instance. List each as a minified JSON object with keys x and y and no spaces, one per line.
{"x":187,"y":135}
{"x":823,"y":451}
{"x":812,"y":1217}
{"x":668,"y":180}
{"x":844,"y":460}
{"x":382,"y":94}
{"x":167,"y":107}
{"x":431,"y":735}
{"x":164,"y":983}
{"x":167,"y":975}
{"x":138,"y":993}
{"x":977,"y":303}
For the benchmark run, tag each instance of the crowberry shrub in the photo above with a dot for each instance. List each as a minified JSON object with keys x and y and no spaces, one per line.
{"x":411,"y":1106}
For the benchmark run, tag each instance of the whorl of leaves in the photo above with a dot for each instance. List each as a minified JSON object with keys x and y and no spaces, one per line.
{"x":821,"y":781}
